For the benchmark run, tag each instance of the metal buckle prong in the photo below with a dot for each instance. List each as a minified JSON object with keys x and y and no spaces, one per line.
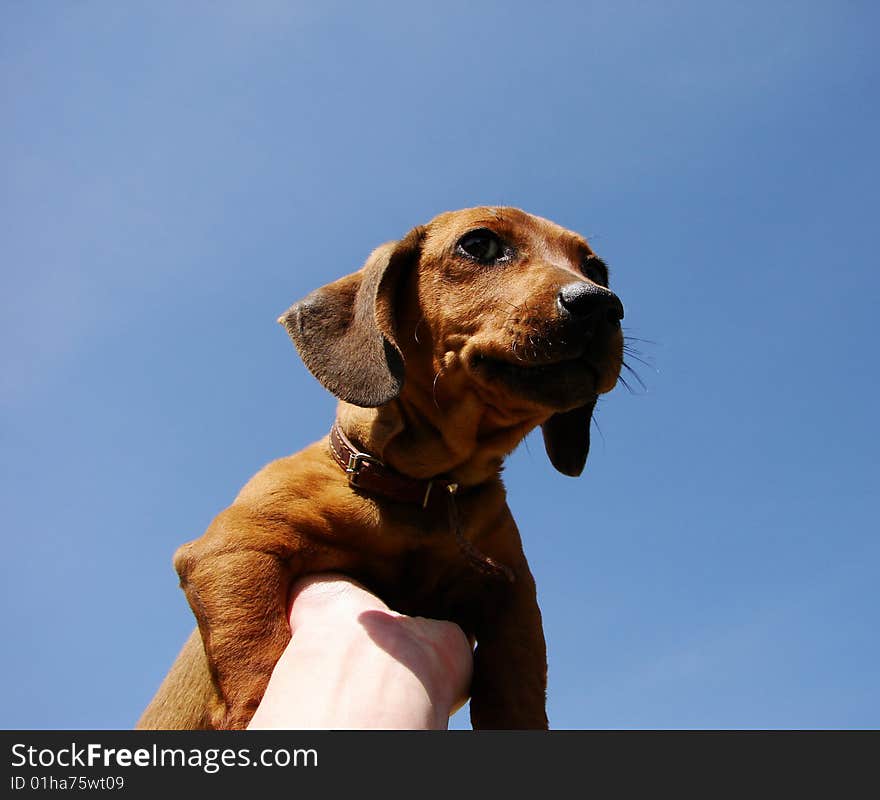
{"x":355,"y":462}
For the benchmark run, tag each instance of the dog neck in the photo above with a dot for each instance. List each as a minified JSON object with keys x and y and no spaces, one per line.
{"x":466,"y":443}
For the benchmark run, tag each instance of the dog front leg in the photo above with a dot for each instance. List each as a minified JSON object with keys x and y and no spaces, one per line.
{"x":509,"y":686}
{"x":239,"y":598}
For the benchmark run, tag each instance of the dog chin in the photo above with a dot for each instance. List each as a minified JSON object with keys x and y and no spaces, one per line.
{"x":557,"y":386}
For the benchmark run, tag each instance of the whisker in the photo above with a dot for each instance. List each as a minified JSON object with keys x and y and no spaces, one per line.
{"x":516,"y":310}
{"x":434,"y":389}
{"x":637,"y":339}
{"x":643,"y":362}
{"x":636,"y":356}
{"x":636,"y":375}
{"x":595,"y":422}
{"x":621,"y":379}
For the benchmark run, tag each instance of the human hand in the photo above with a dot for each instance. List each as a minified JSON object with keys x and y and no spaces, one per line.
{"x":352,"y":663}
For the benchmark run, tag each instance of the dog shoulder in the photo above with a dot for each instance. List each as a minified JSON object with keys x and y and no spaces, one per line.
{"x":289,"y":478}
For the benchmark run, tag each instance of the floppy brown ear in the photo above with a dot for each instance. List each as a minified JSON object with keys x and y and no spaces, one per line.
{"x":567,"y":439}
{"x":345,"y":331}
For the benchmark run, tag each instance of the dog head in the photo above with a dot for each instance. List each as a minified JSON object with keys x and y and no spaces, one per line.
{"x":506,"y":306}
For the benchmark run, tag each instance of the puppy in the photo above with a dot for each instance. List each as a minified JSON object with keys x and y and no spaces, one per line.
{"x":444,"y":351}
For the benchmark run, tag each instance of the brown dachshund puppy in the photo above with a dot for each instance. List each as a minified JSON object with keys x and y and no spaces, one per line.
{"x":444,"y":350}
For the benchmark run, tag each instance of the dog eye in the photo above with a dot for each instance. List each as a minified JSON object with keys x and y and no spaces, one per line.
{"x":482,"y":245}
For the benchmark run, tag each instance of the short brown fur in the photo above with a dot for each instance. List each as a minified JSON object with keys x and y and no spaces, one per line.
{"x":430,"y":353}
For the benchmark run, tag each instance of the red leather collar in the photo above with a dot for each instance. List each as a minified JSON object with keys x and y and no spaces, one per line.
{"x":368,"y":473}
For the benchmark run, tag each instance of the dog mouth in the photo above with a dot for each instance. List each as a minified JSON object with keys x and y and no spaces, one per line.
{"x":533,"y":370}
{"x":558,"y":384}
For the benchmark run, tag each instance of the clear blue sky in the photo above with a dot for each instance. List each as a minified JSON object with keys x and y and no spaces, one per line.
{"x":176,"y":174}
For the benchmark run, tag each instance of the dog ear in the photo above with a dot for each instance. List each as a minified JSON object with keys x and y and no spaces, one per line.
{"x":345,"y":332}
{"x":567,"y":439}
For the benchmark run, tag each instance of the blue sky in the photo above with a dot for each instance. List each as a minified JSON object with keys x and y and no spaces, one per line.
{"x":175,"y":175}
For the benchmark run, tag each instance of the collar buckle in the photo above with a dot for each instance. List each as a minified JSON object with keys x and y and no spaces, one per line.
{"x":355,"y":462}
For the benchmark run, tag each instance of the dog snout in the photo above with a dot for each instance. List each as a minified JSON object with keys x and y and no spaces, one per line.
{"x":590,"y":303}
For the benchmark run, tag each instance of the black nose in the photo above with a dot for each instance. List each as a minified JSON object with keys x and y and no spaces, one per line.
{"x":590,"y":302}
